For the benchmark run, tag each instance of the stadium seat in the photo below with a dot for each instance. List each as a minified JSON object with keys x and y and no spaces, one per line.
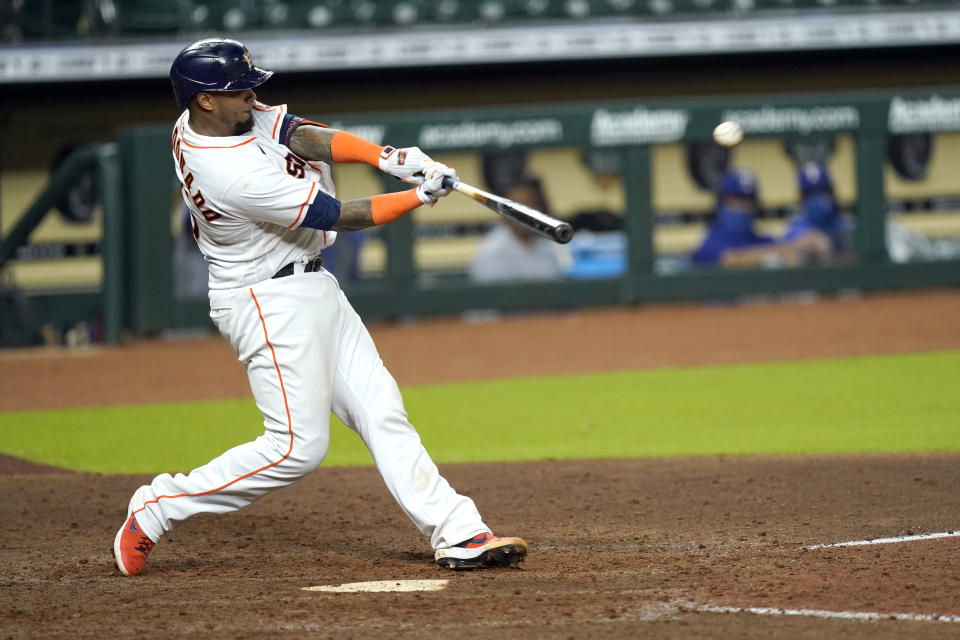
{"x":570,"y":186}
{"x":51,"y":19}
{"x":941,"y":178}
{"x":314,"y":14}
{"x":527,"y":10}
{"x":155,"y":16}
{"x":275,"y":14}
{"x":674,"y":190}
{"x":227,"y":15}
{"x":448,"y":12}
{"x":58,"y":19}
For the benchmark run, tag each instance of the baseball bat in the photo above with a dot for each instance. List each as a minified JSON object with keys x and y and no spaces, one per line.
{"x":548,"y":226}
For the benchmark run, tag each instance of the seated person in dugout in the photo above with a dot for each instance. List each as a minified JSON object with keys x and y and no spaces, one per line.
{"x":732,"y":242}
{"x":818,"y":210}
{"x":511,"y":251}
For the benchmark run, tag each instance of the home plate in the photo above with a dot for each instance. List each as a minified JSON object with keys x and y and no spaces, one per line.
{"x":382,"y":586}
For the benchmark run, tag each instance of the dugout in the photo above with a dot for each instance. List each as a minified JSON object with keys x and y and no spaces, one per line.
{"x":414,"y":266}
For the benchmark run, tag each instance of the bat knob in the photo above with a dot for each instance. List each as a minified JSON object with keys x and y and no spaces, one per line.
{"x":563,"y":233}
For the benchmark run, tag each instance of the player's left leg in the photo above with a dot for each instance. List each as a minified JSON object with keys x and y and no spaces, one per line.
{"x":366,"y":398}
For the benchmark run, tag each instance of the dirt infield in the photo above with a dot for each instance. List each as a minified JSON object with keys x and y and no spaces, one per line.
{"x":619,"y":548}
{"x":625,"y":548}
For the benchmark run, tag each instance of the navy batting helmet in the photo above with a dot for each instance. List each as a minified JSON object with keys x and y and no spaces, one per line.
{"x":214,"y":64}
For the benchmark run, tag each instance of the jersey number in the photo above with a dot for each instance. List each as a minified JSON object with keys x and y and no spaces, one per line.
{"x":295,"y":166}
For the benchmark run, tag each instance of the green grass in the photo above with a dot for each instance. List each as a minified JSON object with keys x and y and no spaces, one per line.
{"x":882,"y":403}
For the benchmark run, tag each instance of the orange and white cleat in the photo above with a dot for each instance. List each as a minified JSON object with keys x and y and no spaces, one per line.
{"x":483,"y":550}
{"x":131,"y":548}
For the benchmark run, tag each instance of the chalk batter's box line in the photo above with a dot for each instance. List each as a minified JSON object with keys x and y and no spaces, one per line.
{"x":860,"y":543}
{"x":867,"y":616}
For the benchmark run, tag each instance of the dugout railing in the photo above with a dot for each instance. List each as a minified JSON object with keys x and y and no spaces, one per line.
{"x":21,"y":312}
{"x":139,"y":295}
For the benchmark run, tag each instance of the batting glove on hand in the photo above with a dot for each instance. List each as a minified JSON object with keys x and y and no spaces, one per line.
{"x":406,"y":164}
{"x":433,"y":188}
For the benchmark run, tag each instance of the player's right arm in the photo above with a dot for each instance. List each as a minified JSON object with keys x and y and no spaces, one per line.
{"x":381,"y":209}
{"x":316,"y":142}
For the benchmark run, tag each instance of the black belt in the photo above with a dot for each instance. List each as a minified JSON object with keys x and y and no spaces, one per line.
{"x":313,"y":265}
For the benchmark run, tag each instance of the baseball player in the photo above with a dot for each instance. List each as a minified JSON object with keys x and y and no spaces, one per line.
{"x":818,"y":210}
{"x":731,"y":240}
{"x":258,"y":186}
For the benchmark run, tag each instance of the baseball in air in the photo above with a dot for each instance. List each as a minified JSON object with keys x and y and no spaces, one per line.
{"x":728,"y":134}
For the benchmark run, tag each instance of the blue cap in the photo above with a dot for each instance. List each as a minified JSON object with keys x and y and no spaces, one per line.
{"x":814,"y":178}
{"x":738,"y":183}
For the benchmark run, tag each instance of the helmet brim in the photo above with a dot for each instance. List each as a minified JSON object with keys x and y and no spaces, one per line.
{"x":250,"y":79}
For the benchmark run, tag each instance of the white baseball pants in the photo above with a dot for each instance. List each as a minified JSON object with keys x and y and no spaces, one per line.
{"x":307,"y":352}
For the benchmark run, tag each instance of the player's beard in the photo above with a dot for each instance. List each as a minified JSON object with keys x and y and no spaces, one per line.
{"x":243,"y":127}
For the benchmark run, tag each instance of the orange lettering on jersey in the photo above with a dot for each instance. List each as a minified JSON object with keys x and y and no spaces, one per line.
{"x":188,"y":181}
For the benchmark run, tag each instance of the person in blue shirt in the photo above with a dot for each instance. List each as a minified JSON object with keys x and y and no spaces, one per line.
{"x":818,"y":211}
{"x":731,"y":240}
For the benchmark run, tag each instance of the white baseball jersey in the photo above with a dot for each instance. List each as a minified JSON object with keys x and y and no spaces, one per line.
{"x":248,"y":196}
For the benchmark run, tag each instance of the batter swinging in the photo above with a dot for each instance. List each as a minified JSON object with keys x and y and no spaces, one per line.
{"x":261,"y":200}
